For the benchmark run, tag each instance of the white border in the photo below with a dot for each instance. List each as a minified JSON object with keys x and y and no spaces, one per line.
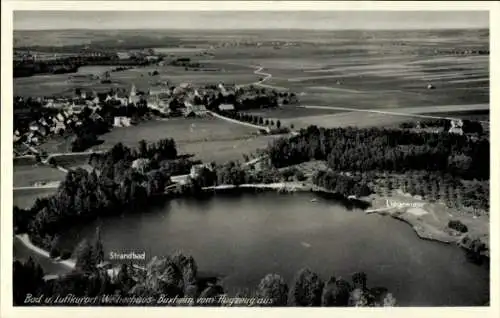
{"x":6,"y":160}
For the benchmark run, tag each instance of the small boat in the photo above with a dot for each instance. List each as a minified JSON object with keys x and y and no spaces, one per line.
{"x":314,"y":200}
{"x":307,"y":245}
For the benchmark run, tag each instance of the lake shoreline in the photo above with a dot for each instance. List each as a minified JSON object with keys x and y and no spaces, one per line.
{"x":371,"y":204}
{"x":425,"y":230}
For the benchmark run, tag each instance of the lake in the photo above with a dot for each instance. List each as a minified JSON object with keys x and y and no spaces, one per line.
{"x":241,"y":238}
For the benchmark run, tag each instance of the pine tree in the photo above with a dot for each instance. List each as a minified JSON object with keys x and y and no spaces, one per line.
{"x":98,"y":250}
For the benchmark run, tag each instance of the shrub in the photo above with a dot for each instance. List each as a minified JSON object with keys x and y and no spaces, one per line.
{"x":65,"y":254}
{"x":54,"y":252}
{"x":52,"y":161}
{"x":457,"y":226}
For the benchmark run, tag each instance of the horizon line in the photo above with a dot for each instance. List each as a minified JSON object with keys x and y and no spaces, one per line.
{"x":257,"y":29}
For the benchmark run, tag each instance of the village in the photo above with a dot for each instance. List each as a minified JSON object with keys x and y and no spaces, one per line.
{"x":122,"y":108}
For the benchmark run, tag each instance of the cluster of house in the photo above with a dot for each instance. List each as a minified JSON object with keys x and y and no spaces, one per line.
{"x":190,"y":101}
{"x":53,"y":124}
{"x":193,"y":100}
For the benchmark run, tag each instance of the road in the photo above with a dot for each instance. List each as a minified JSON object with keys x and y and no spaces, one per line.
{"x":234,"y":121}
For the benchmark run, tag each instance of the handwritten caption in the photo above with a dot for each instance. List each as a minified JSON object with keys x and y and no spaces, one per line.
{"x":70,"y":299}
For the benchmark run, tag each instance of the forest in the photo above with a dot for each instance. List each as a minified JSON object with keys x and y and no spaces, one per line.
{"x":431,"y":163}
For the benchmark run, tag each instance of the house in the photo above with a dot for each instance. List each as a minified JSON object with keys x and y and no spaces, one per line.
{"x":226,"y":107}
{"x":194,"y":110}
{"x":151,"y":58}
{"x":197,"y":169}
{"x":43,"y":130}
{"x":34,"y":126}
{"x":60,"y":117}
{"x":121,"y":121}
{"x":76,"y":109}
{"x":123,"y":55}
{"x":456,"y":127}
{"x":159,"y":91}
{"x":95,"y":117}
{"x":33,"y":138}
{"x":133,"y":98}
{"x":59,"y":127}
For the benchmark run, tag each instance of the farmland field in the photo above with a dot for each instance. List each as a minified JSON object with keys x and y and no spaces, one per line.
{"x":208,"y":138}
{"x":353,"y":69}
{"x":286,"y":112}
{"x":26,"y":198}
{"x":379,"y":69}
{"x":27,"y":175}
{"x":56,"y":144}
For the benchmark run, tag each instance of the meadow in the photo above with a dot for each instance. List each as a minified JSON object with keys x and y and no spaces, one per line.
{"x":28,"y":175}
{"x":376,"y":69}
{"x":353,"y":69}
{"x":207,"y":138}
{"x":25,"y":198}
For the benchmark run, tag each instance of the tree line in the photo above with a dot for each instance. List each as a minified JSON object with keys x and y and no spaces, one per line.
{"x":114,"y":186}
{"x":355,"y":149}
{"x":177,"y":275}
{"x":447,"y":160}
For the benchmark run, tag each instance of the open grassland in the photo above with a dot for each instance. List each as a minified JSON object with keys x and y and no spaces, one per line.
{"x":222,"y":151}
{"x":28,"y":175}
{"x":348,"y":69}
{"x":72,"y":161}
{"x":345,"y":119}
{"x":207,"y":138}
{"x":66,"y":84}
{"x":182,"y":130}
{"x":25,"y":198}
{"x":380,"y":71}
{"x":287,"y":112}
{"x":56,"y":144}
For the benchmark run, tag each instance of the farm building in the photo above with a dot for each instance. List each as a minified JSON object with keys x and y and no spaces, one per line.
{"x":123,"y":55}
{"x":121,"y":121}
{"x":196,"y":170}
{"x":226,"y":107}
{"x":456,"y":127}
{"x":194,"y":110}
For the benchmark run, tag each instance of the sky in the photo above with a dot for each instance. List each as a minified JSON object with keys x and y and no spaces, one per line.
{"x":321,"y":20}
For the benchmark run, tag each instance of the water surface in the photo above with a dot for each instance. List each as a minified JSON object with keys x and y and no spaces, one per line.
{"x":244,"y":237}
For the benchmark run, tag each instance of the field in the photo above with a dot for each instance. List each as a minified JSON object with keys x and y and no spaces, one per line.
{"x":385,"y":70}
{"x":208,"y":138}
{"x":287,"y":112}
{"x":26,"y":198}
{"x":56,"y":144}
{"x":65,"y":85}
{"x":28,"y":175}
{"x":377,"y":69}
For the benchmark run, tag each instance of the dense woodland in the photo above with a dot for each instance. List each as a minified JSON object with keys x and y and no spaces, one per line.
{"x":432,"y":162}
